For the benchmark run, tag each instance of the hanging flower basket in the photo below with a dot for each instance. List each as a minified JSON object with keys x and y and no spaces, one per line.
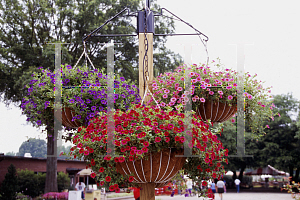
{"x":215,"y":111}
{"x":84,"y":95}
{"x":158,"y":168}
{"x":67,"y":115}
{"x":213,"y":83}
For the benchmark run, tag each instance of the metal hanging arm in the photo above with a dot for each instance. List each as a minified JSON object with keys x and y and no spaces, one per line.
{"x":85,"y":38}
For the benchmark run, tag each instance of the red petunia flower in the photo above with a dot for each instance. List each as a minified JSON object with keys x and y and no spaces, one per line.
{"x":101,"y":169}
{"x":116,"y":159}
{"x":204,"y":183}
{"x":177,"y":138}
{"x":131,"y":158}
{"x":157,"y":139}
{"x":93,"y":175}
{"x":121,"y":159}
{"x":107,"y":179}
{"x":146,"y":144}
{"x":101,"y":183}
{"x":111,"y":188}
{"x":167,"y":139}
{"x":131,"y":179}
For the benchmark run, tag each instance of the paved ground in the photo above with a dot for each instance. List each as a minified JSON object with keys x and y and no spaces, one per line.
{"x":229,"y":196}
{"x":235,"y":196}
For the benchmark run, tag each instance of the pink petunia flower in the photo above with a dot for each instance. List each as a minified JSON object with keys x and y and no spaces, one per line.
{"x":220,"y":92}
{"x":249,"y":96}
{"x":179,"y":88}
{"x":165,"y":96}
{"x":202,"y":100}
{"x":230,"y":97}
{"x":267,"y":126}
{"x":232,"y":120}
{"x":211,"y":92}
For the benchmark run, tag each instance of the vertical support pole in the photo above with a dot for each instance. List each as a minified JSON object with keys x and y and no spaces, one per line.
{"x":147,"y":191}
{"x":150,"y":62}
{"x":110,"y":100}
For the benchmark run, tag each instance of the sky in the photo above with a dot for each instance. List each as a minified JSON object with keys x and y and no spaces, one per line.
{"x":269,"y":29}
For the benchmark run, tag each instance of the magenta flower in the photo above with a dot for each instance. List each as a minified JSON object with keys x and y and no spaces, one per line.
{"x":228,"y":87}
{"x":165,"y":96}
{"x":267,"y":126}
{"x":220,"y":92}
{"x":230,"y":97}
{"x":173,"y":99}
{"x":179,"y":88}
{"x":202,"y":100}
{"x":157,"y":139}
{"x":211,"y":92}
{"x":249,"y":96}
{"x":232,"y":120}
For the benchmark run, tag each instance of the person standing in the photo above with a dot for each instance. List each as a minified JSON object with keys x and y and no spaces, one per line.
{"x":136,"y":193}
{"x":189,"y":185}
{"x":80,"y":186}
{"x":237,"y":183}
{"x":220,"y":188}
{"x":213,"y":186}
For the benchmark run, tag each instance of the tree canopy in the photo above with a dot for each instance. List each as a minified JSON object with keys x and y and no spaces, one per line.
{"x":36,"y":147}
{"x":279,"y":147}
{"x":27,"y":26}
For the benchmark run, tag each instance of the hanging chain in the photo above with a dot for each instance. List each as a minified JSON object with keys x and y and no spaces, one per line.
{"x":145,"y":62}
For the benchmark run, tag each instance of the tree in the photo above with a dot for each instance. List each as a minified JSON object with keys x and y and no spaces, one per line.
{"x":28,"y":183}
{"x":63,"y":181}
{"x":9,"y":186}
{"x":10,"y":153}
{"x":36,"y":147}
{"x":279,"y":147}
{"x":26,"y":27}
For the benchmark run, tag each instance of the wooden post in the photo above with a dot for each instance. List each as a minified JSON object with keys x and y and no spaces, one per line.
{"x":150,"y":62}
{"x":147,"y":191}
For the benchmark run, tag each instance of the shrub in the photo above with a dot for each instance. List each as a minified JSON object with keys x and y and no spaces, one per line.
{"x":9,"y":186}
{"x":63,"y":181}
{"x":28,"y":182}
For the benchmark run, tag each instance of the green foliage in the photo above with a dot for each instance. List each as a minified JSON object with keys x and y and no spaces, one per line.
{"x":33,"y":185}
{"x":9,"y":186}
{"x":279,"y":148}
{"x":26,"y":28}
{"x":63,"y":181}
{"x":10,"y":153}
{"x":28,"y":183}
{"x":36,"y":147}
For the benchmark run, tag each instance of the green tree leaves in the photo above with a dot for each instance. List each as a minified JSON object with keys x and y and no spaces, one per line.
{"x":36,"y":147}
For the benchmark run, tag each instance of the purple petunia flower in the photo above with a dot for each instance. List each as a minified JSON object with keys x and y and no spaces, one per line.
{"x":29,"y":90}
{"x":122,"y":78}
{"x":39,"y":122}
{"x":47,"y":104}
{"x":69,"y":66}
{"x":93,"y":108}
{"x":72,"y":101}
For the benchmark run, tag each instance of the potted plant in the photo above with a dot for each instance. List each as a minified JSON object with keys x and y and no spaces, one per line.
{"x":147,"y":140}
{"x":84,"y":94}
{"x":214,"y":94}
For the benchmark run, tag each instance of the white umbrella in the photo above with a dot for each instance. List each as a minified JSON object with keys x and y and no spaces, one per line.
{"x":86,"y":172}
{"x":229,"y":173}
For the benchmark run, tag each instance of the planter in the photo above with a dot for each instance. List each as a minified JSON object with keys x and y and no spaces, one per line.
{"x":159,"y":168}
{"x":67,"y":115}
{"x":215,"y":111}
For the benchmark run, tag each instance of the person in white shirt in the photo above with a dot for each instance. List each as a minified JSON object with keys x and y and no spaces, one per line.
{"x":220,"y":188}
{"x":80,"y":186}
{"x":189,"y":185}
{"x":237,"y":183}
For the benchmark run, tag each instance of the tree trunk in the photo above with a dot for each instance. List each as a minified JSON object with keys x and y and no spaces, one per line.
{"x":297,"y":176}
{"x":242,"y":171}
{"x":291,"y":168}
{"x":147,"y":191}
{"x":234,"y":175}
{"x":51,"y":175}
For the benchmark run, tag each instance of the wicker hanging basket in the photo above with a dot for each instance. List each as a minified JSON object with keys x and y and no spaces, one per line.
{"x":67,"y":115}
{"x":215,"y":111}
{"x":159,"y":168}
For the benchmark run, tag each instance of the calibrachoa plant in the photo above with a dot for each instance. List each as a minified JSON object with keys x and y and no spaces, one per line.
{"x":144,"y":129}
{"x":84,"y":90}
{"x":293,"y":188}
{"x":210,"y":85}
{"x":56,"y":195}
